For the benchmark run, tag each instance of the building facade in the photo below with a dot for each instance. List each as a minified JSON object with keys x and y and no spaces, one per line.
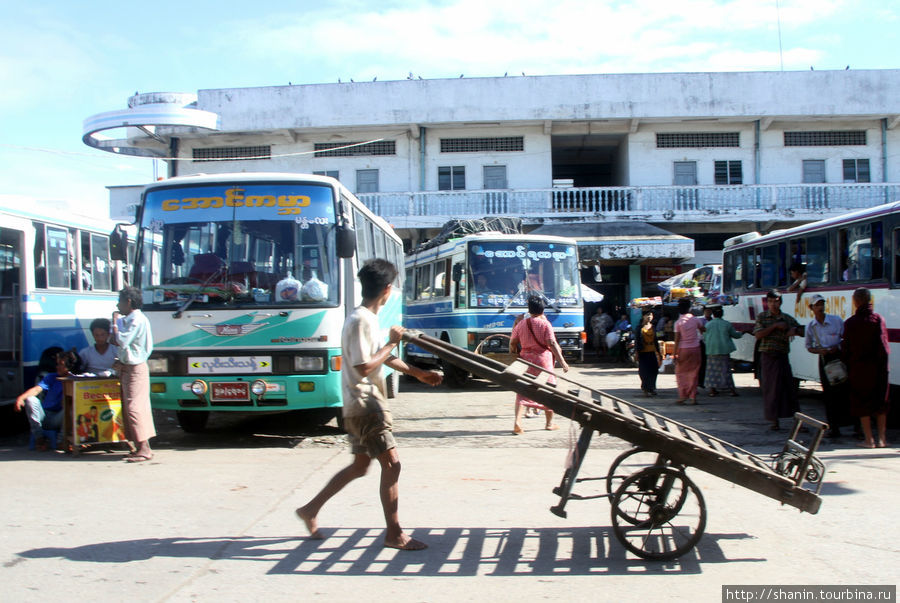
{"x":701,"y":155}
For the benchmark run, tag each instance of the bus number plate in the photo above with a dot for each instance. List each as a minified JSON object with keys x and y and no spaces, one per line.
{"x":230,"y":392}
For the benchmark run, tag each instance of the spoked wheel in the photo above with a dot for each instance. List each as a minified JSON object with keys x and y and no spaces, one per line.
{"x":658,"y":513}
{"x":630,"y":462}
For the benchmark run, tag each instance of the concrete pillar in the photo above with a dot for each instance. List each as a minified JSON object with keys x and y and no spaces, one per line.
{"x":634,"y":290}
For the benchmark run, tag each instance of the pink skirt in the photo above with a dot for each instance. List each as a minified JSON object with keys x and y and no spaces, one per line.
{"x":687,"y":372}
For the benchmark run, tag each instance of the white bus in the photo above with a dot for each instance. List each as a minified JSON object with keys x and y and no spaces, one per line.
{"x":56,"y":276}
{"x":469,"y":288}
{"x":247,"y":279}
{"x":858,"y":249}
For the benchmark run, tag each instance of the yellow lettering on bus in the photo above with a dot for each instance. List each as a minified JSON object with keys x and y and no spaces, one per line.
{"x":170,"y":205}
{"x":234,"y":197}
{"x":190,"y":203}
{"x":286,"y":211}
{"x":286,"y":201}
{"x":261,"y":200}
{"x":206,"y":202}
{"x":300,"y":200}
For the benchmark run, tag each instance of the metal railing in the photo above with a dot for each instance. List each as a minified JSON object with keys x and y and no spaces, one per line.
{"x":678,"y":203}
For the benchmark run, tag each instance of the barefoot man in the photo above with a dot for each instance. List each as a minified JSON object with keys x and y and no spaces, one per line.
{"x":367,"y":418}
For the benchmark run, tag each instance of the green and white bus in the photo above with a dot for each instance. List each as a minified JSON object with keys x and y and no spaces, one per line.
{"x":247,"y":279}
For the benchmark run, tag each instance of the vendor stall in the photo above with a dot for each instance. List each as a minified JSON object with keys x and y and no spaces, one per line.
{"x":92,"y":413}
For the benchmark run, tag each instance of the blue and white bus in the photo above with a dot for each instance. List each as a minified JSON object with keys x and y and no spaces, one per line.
{"x":247,"y":279}
{"x":469,"y":288}
{"x":56,"y":276}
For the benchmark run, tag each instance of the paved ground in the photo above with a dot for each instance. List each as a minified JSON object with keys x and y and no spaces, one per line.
{"x":211,"y":517}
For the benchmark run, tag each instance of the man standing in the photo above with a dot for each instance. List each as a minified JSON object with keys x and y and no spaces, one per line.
{"x":773,"y":330}
{"x":823,"y":337}
{"x":367,"y":418}
{"x":131,"y":332}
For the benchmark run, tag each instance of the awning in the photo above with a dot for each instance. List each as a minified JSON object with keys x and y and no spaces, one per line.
{"x":634,"y":242}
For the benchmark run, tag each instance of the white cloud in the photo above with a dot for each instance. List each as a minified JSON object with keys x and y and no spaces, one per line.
{"x":568,"y":36}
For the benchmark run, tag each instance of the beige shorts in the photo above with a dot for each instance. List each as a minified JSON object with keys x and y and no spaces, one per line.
{"x":371,"y":433}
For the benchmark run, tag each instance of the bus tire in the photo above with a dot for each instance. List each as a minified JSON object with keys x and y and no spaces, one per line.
{"x":393,"y":384}
{"x":453,"y":376}
{"x":192,"y":421}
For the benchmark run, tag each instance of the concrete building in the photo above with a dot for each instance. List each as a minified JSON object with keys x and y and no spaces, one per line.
{"x":700,"y":155}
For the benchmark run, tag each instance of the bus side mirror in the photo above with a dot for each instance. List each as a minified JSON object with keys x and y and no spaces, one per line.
{"x":118,"y":244}
{"x":346,"y":241}
{"x":457,"y":272}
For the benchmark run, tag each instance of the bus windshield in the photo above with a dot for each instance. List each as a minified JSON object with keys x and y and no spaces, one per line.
{"x":504,"y":273}
{"x":257,"y":244}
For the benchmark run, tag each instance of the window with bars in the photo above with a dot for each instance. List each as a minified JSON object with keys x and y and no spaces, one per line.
{"x":354,"y":149}
{"x":856,"y":170}
{"x":474,"y":145}
{"x":452,"y":178}
{"x":693,"y":140}
{"x":226,"y":153}
{"x":729,"y":172}
{"x":837,"y":138}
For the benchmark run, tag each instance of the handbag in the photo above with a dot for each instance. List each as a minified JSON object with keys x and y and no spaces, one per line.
{"x":835,"y":370}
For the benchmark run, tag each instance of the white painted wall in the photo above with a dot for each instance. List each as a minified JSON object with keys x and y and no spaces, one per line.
{"x":530,"y":168}
{"x":784,"y":165}
{"x":650,"y":166}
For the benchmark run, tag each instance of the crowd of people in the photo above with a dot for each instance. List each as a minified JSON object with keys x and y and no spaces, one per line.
{"x":857,"y":395}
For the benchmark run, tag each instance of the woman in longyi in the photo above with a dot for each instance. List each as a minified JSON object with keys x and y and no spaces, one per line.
{"x":534,"y":337}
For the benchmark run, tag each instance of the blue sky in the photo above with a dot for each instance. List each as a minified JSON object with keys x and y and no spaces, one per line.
{"x":63,"y":61}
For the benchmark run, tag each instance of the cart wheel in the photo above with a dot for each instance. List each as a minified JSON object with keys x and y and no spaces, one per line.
{"x":630,"y":462}
{"x":658,"y":513}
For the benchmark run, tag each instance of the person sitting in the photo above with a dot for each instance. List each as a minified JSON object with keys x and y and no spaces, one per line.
{"x":47,"y":413}
{"x":98,"y":359}
{"x":798,"y":278}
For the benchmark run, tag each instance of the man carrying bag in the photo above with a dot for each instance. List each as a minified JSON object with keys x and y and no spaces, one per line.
{"x":823,"y":337}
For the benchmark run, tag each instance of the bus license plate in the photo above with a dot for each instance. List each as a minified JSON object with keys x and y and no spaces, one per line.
{"x":230,"y":392}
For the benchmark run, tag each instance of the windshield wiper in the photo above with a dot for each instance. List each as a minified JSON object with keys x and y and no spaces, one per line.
{"x":190,"y":300}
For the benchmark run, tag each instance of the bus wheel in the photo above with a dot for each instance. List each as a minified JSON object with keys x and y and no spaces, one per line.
{"x":453,"y":376}
{"x":393,"y":384}
{"x":192,"y":421}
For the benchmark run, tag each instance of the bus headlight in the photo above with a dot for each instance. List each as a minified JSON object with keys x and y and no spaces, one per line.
{"x":159,"y":365}
{"x":198,"y":388}
{"x":258,"y":387}
{"x":309,"y":363}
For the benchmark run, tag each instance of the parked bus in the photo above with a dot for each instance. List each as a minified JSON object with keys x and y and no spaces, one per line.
{"x":247,"y":280}
{"x":469,"y":288}
{"x":56,"y":276}
{"x":859,"y":249}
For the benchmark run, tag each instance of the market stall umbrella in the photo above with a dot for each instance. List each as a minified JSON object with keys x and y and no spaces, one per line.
{"x":589,"y":295}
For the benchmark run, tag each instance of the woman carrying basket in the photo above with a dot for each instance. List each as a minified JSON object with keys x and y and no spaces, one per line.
{"x":534,"y":339}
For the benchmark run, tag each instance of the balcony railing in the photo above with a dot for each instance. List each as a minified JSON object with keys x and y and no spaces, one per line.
{"x":670,"y":203}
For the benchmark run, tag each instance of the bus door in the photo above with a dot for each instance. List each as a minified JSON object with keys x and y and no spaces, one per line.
{"x":458,"y":275}
{"x":11,"y":242}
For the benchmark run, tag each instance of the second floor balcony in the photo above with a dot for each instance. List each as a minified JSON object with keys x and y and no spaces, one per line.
{"x":677,"y":204}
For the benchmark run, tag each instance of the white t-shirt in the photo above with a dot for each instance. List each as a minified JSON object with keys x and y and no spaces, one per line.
{"x":361,"y":338}
{"x":95,"y":362}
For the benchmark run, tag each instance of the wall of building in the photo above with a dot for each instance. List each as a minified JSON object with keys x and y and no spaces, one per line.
{"x":784,"y":165}
{"x":652,"y":166}
{"x":530,"y":168}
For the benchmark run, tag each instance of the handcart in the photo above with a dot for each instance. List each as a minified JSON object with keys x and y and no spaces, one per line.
{"x":657,"y":511}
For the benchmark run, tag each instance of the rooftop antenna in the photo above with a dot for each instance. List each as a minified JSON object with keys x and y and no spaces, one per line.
{"x":780,"y":50}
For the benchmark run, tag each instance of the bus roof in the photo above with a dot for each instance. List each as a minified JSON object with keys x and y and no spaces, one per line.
{"x":860,"y":214}
{"x":242,"y":177}
{"x":485,"y":237}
